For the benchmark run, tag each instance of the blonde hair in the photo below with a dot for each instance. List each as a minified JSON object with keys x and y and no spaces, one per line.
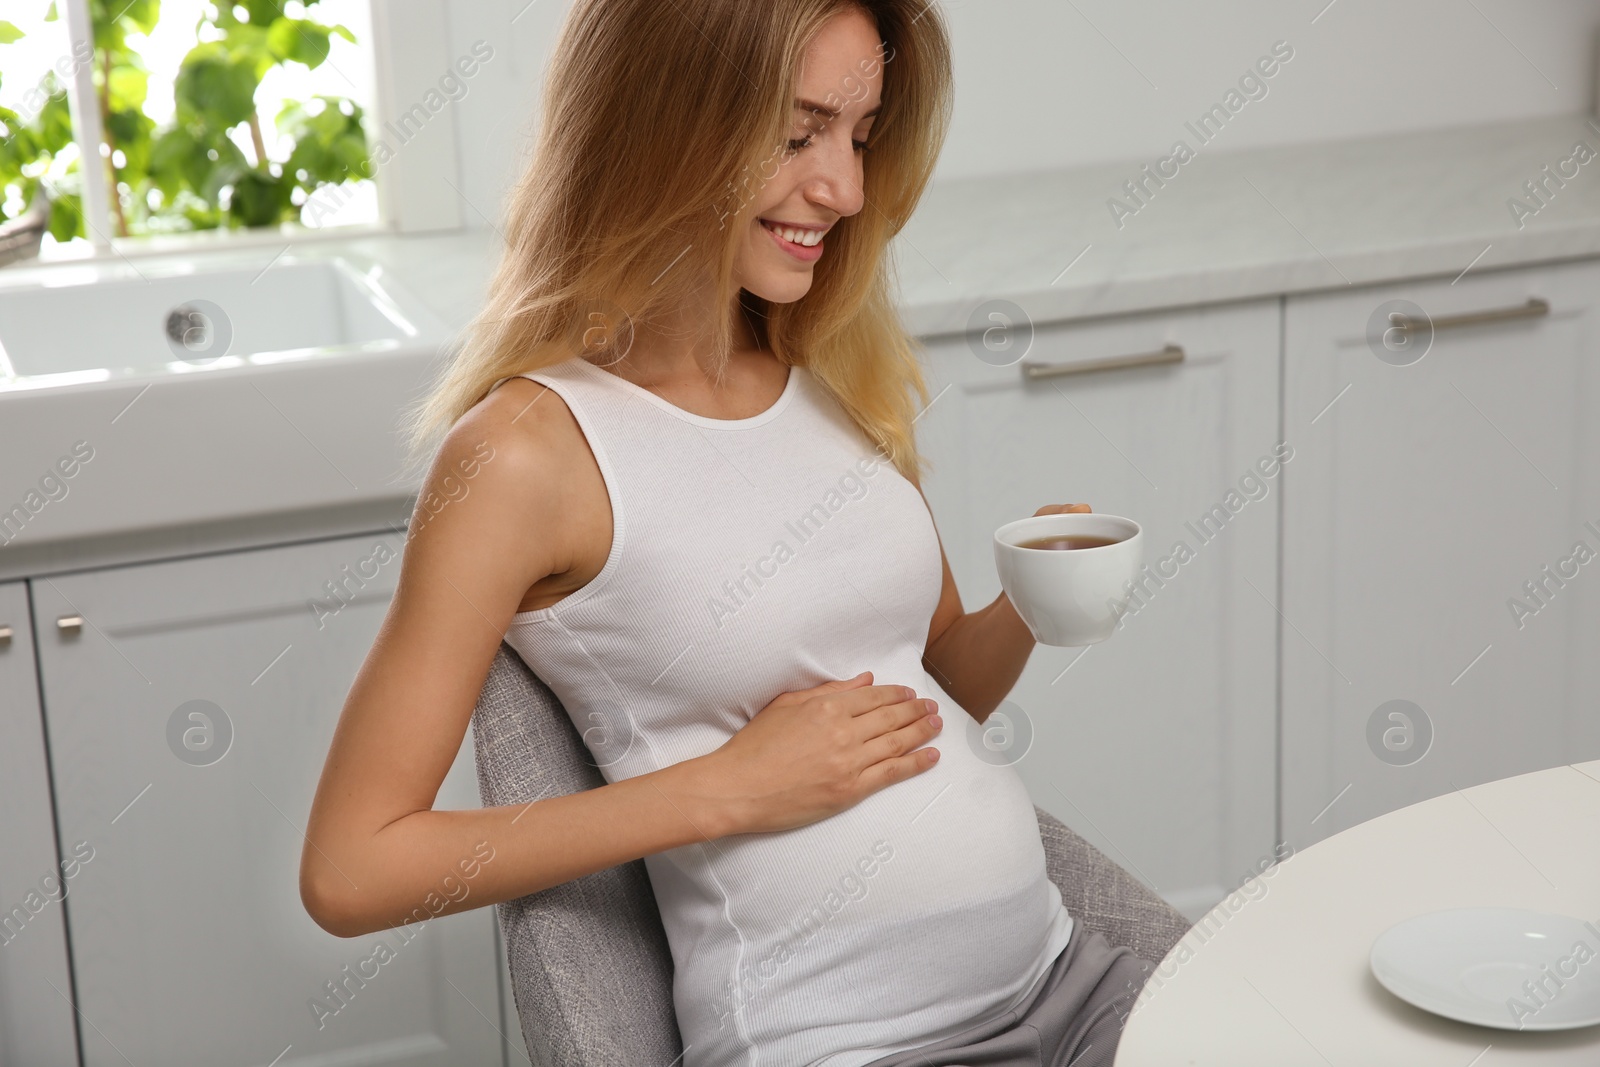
{"x":659,"y":123}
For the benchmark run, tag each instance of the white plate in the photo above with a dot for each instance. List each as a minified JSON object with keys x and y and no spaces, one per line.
{"x":1501,"y":967}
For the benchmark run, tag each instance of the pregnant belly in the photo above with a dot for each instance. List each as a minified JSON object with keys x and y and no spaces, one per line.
{"x":924,"y":906}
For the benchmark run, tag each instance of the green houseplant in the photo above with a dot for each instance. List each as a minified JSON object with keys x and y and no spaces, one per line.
{"x":190,"y":174}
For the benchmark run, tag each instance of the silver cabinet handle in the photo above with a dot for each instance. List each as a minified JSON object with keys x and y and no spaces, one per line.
{"x":5,"y":634}
{"x":70,"y":624}
{"x":1168,"y":354}
{"x":1535,"y":308}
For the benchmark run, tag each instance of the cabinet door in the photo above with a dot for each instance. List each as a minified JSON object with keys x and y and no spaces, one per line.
{"x":1433,"y":487}
{"x":189,"y":716}
{"x":36,"y":1024}
{"x":1157,"y":744}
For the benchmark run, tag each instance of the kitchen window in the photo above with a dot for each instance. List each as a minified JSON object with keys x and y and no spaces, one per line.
{"x":207,"y":117}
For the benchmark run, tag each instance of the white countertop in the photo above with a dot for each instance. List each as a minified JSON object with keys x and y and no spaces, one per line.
{"x":1228,"y":226}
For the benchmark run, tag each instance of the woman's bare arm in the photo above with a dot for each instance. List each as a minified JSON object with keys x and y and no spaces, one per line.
{"x":377,"y":855}
{"x":978,"y":656}
{"x":375,"y":850}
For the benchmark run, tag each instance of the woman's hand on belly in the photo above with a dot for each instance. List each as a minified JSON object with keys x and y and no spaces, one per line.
{"x":814,"y":752}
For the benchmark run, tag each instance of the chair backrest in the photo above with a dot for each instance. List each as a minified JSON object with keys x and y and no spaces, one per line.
{"x":591,"y":971}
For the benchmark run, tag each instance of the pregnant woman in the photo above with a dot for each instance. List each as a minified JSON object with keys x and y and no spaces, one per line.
{"x":677,"y":456}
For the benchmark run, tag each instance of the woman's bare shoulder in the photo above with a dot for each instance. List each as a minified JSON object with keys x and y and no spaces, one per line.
{"x":507,"y":463}
{"x":531,"y":495}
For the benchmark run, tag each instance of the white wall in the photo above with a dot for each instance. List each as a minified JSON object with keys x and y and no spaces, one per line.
{"x":1042,"y":84}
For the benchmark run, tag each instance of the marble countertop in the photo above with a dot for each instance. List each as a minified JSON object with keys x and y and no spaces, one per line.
{"x":1225,"y":226}
{"x":1228,"y":226}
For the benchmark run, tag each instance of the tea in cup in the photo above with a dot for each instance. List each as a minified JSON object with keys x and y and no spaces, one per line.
{"x":1069,"y":575}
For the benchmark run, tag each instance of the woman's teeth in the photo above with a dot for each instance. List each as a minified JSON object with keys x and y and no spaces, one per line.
{"x":807,"y":238}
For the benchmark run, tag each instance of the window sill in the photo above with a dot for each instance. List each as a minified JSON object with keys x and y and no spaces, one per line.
{"x":285,"y":236}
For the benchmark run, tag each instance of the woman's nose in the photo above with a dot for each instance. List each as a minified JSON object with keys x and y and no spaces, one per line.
{"x":836,"y":184}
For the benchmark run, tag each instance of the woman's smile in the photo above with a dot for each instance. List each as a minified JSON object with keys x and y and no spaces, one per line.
{"x":802,"y":242}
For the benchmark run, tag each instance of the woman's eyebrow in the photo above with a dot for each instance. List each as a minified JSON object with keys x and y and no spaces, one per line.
{"x":816,"y":108}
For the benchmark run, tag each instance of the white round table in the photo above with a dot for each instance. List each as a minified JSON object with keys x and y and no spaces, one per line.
{"x":1280,"y":976}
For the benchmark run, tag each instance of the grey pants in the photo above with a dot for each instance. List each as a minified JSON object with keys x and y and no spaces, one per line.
{"x":1073,"y":1019}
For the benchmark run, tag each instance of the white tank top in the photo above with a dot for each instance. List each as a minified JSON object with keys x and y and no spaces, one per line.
{"x":752,"y":557}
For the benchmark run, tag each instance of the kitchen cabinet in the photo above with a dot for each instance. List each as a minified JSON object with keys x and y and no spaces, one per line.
{"x":36,"y":1024}
{"x":1443,"y":483}
{"x":1159,"y":743}
{"x":189,"y":707}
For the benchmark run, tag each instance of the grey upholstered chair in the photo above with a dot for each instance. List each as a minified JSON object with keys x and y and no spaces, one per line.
{"x":590,"y":969}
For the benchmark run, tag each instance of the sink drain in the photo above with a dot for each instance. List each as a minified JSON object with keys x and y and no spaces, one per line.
{"x":198,"y":331}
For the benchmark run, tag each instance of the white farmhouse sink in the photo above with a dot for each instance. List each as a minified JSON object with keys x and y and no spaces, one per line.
{"x":180,"y":316}
{"x":210,"y":387}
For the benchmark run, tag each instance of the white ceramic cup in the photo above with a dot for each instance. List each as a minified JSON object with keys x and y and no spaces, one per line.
{"x":1072,"y":596}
